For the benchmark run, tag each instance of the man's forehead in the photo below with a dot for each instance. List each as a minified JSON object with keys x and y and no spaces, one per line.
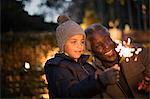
{"x":98,"y":36}
{"x":100,"y":33}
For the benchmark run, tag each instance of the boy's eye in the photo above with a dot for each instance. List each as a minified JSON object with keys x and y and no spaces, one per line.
{"x":82,"y":42}
{"x":73,"y":42}
{"x":77,"y":42}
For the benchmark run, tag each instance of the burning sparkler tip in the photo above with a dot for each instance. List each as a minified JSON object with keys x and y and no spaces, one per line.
{"x":126,"y":51}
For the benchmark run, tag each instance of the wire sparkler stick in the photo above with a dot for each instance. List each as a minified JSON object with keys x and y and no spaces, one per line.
{"x":125,"y":52}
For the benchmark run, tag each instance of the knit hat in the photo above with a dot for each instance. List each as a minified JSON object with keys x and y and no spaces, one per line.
{"x":66,"y":29}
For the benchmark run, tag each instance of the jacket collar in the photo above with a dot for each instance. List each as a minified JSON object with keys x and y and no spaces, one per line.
{"x":82,"y":59}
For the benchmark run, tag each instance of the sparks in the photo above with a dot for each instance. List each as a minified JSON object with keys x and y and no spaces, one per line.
{"x":126,"y":52}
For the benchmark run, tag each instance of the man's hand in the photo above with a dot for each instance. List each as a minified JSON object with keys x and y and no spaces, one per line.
{"x":110,"y":75}
{"x":144,"y":84}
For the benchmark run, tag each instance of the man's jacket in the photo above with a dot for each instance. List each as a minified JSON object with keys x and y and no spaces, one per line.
{"x":134,"y":72}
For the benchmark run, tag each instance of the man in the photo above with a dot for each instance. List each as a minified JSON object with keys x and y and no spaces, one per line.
{"x":131,"y":73}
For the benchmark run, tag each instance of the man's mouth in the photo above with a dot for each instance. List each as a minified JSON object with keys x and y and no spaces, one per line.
{"x":109,"y":53}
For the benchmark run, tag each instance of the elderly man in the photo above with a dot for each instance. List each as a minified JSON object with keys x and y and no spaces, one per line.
{"x":131,"y":73}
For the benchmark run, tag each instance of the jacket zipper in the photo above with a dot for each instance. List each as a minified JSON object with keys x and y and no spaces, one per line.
{"x":85,"y":70}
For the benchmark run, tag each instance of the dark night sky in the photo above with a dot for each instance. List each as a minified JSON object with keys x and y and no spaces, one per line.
{"x":13,"y":18}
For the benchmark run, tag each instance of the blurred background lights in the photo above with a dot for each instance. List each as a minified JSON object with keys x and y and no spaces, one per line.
{"x":27,"y":65}
{"x":127,"y":29}
{"x":68,"y":0}
{"x":40,"y":8}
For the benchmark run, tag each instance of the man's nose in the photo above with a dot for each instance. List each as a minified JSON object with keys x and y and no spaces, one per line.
{"x":106,"y":45}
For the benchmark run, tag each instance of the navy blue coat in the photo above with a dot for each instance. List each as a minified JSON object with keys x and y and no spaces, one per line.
{"x":70,"y":79}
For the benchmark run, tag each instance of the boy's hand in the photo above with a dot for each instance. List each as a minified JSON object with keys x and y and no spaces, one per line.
{"x":110,"y":75}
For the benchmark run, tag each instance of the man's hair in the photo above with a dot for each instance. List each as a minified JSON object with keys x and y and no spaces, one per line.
{"x":90,"y":30}
{"x":93,"y":28}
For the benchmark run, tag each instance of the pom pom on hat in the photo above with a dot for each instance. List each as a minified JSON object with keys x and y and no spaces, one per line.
{"x":63,"y":18}
{"x":66,"y":29}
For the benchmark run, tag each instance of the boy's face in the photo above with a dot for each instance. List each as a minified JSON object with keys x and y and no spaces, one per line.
{"x":103,"y":46}
{"x":74,"y":46}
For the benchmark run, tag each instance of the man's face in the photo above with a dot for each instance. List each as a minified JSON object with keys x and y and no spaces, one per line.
{"x":103,"y":46}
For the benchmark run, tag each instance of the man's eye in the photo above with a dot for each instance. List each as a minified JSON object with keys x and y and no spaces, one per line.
{"x":97,"y":46}
{"x":107,"y":38}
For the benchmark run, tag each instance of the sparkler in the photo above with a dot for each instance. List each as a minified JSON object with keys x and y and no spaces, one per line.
{"x":126,"y":51}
